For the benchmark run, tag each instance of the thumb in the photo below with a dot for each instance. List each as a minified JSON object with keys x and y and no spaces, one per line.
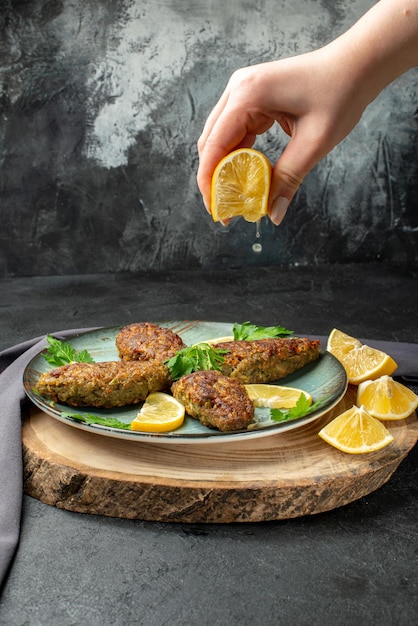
{"x":284,"y":184}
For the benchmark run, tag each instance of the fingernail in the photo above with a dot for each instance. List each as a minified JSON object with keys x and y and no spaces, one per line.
{"x":278,"y":210}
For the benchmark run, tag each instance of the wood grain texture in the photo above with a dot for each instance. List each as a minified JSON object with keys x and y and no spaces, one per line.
{"x":271,"y":478}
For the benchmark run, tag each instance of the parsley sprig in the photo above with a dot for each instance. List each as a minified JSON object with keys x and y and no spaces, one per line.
{"x":301,"y":408}
{"x":250,"y":332}
{"x":89,"y":418}
{"x":62,"y":352}
{"x":201,"y":356}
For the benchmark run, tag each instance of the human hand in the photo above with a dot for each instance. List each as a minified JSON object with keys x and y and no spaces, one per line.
{"x":311,"y":96}
{"x":317,"y":98}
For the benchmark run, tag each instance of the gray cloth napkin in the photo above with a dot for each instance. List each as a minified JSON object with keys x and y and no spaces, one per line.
{"x":13,"y":362}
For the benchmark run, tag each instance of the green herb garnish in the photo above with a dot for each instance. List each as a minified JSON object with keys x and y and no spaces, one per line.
{"x":250,"y":332}
{"x":301,"y":408}
{"x":89,"y":418}
{"x":62,"y":352}
{"x":195,"y":358}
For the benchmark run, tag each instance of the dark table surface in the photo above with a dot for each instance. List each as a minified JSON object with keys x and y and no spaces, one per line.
{"x":342,"y":567}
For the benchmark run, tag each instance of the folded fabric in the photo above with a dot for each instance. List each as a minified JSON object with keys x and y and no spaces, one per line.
{"x":13,"y":362}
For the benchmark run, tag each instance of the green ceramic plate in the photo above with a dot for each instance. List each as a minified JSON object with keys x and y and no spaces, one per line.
{"x":324,"y":380}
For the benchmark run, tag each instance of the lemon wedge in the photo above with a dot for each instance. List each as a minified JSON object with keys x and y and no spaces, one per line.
{"x":361,"y":362}
{"x":274,"y":396}
{"x":159,"y":413}
{"x":356,"y":432}
{"x":387,"y":399}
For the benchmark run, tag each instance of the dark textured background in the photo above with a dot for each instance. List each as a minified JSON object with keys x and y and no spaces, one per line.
{"x":101,"y":105}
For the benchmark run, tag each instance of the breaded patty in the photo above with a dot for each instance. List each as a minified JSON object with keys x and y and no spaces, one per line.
{"x":266,"y":360}
{"x":215,"y":400}
{"x":145,"y":341}
{"x":107,"y":384}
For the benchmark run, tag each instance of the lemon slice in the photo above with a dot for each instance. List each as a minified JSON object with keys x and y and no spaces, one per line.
{"x":361,"y":362}
{"x":159,"y":413}
{"x":212,"y":342}
{"x":355,"y":431}
{"x":241,"y":186}
{"x":275,"y":397}
{"x":387,"y":399}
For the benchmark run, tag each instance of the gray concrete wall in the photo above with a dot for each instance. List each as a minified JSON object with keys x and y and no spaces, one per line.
{"x":101,"y":105}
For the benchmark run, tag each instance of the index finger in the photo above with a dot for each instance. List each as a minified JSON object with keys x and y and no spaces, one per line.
{"x":211,"y":120}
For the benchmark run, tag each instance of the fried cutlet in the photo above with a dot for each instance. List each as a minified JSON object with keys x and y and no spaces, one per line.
{"x":266,"y":360}
{"x":145,"y":341}
{"x":215,"y":400}
{"x":106,"y":384}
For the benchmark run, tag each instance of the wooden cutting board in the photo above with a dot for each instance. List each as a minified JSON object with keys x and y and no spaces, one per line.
{"x":282,"y":476}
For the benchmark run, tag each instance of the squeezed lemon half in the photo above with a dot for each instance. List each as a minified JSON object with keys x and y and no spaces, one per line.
{"x":241,"y":186}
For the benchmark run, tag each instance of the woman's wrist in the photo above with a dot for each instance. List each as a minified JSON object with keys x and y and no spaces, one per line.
{"x":381,"y":46}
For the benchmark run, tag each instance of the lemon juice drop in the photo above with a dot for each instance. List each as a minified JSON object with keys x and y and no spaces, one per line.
{"x":257,"y":247}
